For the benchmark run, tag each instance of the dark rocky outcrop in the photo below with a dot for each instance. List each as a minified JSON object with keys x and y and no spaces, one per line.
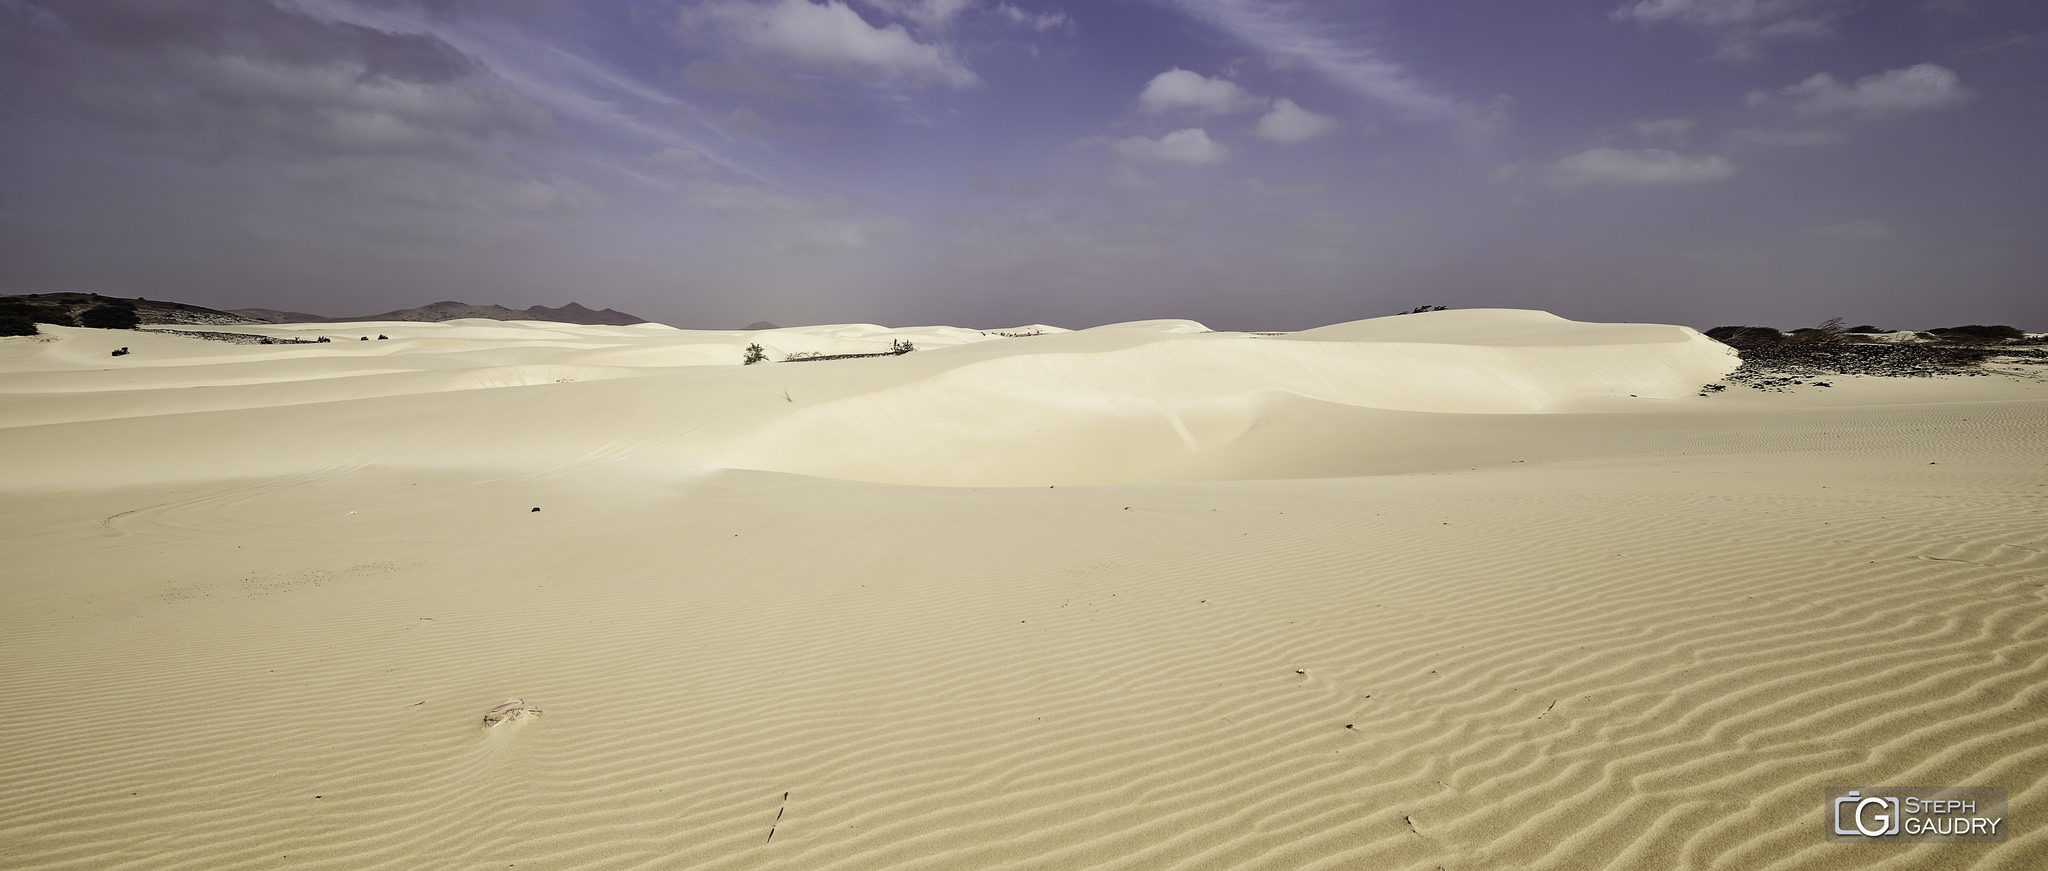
{"x":68,"y":309}
{"x":1772,"y":360}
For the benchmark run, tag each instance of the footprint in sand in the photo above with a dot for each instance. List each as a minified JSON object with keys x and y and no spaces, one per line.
{"x":510,"y":709}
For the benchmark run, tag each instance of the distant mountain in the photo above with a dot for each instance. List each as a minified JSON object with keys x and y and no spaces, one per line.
{"x":66,"y":308}
{"x":274,"y":316}
{"x":448,"y":310}
{"x":575,"y":313}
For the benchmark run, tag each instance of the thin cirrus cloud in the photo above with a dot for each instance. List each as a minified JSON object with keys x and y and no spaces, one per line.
{"x":1918,"y":88}
{"x":1743,"y":27}
{"x":939,"y":14}
{"x":236,"y":76}
{"x":829,"y":37}
{"x":1623,"y":167}
{"x":1286,"y":30}
{"x":1038,"y":21}
{"x":569,"y":85}
{"x":1189,"y":147}
{"x":1786,"y":138}
{"x":929,"y":13}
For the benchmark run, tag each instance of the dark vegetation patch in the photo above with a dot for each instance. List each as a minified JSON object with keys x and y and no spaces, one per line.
{"x":1979,"y":333}
{"x":19,"y":316}
{"x":232,"y":338}
{"x":897,"y":348}
{"x":1778,"y":361}
{"x":807,"y":357}
{"x":110,"y":317}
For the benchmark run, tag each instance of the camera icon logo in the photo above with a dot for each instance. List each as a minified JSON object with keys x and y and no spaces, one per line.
{"x":1871,"y":816}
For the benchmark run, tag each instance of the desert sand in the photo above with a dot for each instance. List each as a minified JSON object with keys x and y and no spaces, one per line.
{"x":1465,"y":589}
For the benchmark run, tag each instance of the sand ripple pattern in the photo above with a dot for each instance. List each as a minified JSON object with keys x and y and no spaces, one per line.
{"x":1661,"y":673}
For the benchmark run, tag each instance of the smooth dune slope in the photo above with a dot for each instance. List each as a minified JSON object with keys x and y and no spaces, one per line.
{"x":1463,"y":590}
{"x":1108,"y":406}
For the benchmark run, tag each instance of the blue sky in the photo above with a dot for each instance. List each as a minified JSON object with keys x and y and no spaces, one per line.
{"x":1254,"y":165}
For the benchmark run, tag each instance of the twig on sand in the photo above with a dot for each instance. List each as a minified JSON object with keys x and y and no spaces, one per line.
{"x":778,"y":820}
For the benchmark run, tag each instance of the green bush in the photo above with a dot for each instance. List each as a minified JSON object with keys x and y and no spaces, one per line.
{"x":901,"y":346}
{"x":109,"y":317}
{"x":755,"y":354}
{"x":13,"y":326}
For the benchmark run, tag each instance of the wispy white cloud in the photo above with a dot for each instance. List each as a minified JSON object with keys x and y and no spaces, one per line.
{"x":2022,"y":40}
{"x":1290,"y":123}
{"x":1039,"y":21}
{"x":574,"y":88}
{"x":1287,"y":29}
{"x":829,"y":37}
{"x":1179,"y":89}
{"x":1918,"y":88}
{"x":1191,"y":147}
{"x":1634,"y":168}
{"x":591,"y":93}
{"x":1743,"y":27}
{"x":929,"y":13}
{"x":1806,"y":138}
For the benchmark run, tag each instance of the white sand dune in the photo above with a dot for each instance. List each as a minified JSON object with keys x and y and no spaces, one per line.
{"x":1466,"y":589}
{"x":1153,"y":401}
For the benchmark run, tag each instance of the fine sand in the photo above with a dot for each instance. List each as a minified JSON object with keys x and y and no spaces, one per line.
{"x":1463,"y":590}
